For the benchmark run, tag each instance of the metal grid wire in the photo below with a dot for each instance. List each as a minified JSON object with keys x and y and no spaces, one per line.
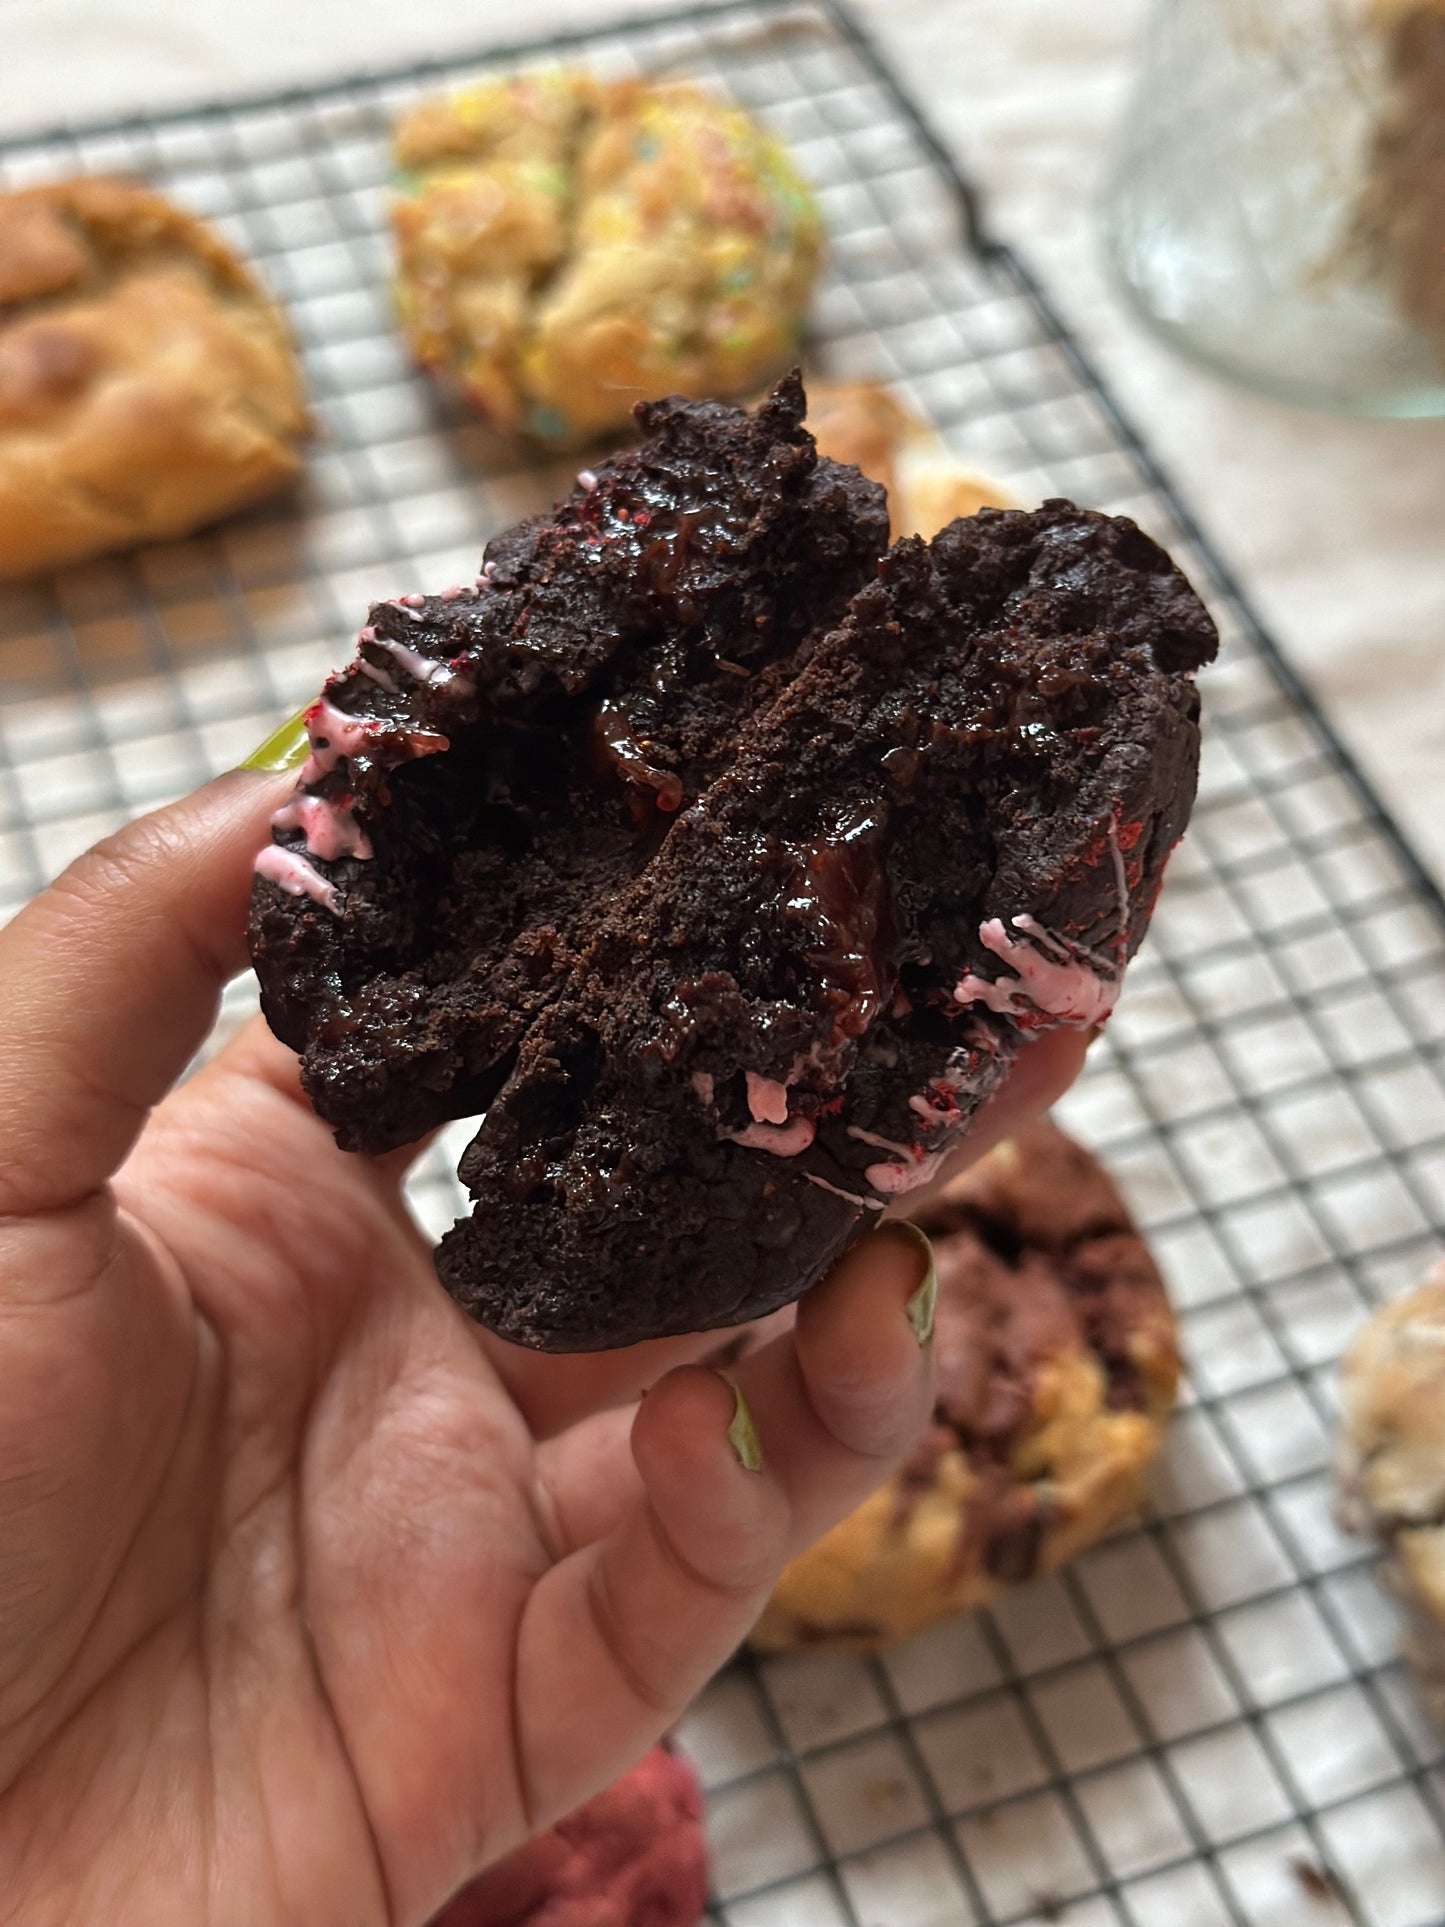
{"x":1202,"y":1721}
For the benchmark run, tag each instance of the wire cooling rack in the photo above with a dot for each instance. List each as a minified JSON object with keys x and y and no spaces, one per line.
{"x":1202,"y":1721}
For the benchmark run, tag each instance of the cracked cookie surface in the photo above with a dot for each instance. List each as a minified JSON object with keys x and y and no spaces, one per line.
{"x":147,"y":383}
{"x":1057,"y":1363}
{"x":568,"y":246}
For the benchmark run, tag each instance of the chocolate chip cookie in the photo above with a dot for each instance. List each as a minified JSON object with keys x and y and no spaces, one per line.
{"x":1057,"y":1363}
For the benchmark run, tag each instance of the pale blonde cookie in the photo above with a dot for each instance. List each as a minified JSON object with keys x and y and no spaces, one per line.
{"x":865,"y":423}
{"x":568,"y":246}
{"x":1392,"y":1463}
{"x":147,"y":383}
{"x":1057,"y":1364}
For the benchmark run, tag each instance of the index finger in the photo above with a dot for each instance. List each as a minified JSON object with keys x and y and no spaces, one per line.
{"x":112,"y":980}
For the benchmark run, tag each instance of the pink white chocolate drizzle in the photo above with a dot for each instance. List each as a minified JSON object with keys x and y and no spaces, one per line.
{"x":783,"y":1140}
{"x":767,"y":1099}
{"x":423,"y":669}
{"x":1121,"y":885}
{"x":973,"y":1069}
{"x":852,"y":1197}
{"x":381,"y":677}
{"x":1052,"y":987}
{"x":914,"y":1166}
{"x":327,"y":823}
{"x":894,"y":1179}
{"x":332,"y":735}
{"x":880,"y":1143}
{"x":1057,"y":984}
{"x":941,"y":1119}
{"x":290,"y":872}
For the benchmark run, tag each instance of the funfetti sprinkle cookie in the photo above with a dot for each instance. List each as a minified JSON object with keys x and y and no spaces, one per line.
{"x":568,"y":246}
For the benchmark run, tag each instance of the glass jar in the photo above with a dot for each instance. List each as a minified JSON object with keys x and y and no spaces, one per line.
{"x":1276,"y":203}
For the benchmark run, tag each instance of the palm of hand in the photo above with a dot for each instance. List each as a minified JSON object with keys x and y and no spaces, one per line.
{"x":286,"y":1520}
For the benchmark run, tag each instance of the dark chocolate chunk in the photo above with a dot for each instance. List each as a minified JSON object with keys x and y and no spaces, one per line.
{"x":1011,"y":1548}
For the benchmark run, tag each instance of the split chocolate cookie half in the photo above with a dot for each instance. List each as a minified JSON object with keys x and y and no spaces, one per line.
{"x":721,"y":859}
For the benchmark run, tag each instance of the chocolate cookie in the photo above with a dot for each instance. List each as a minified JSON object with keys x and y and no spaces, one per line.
{"x":1392,"y":1464}
{"x":1057,"y":1364}
{"x":727,"y":917}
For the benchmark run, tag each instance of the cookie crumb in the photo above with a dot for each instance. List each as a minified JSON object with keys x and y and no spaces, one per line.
{"x":1320,"y":1882}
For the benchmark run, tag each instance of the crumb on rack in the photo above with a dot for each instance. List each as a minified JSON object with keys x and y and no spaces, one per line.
{"x":1320,"y":1882}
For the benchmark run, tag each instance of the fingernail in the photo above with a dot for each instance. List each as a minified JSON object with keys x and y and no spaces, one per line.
{"x":742,"y":1433}
{"x":284,"y":748}
{"x":924,"y":1302}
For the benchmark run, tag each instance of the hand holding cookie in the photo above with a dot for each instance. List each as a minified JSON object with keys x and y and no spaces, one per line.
{"x":271,"y":1508}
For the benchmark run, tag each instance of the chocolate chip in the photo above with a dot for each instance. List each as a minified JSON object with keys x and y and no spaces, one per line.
{"x":810,"y":1633}
{"x":1125,"y":1385}
{"x":1012,"y":1548}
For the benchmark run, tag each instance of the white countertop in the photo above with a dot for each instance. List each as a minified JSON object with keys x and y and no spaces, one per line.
{"x":1336,"y":527}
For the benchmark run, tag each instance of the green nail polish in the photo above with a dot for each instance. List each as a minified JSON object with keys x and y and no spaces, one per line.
{"x":924,"y":1302}
{"x":742,"y":1433}
{"x":284,"y":748}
